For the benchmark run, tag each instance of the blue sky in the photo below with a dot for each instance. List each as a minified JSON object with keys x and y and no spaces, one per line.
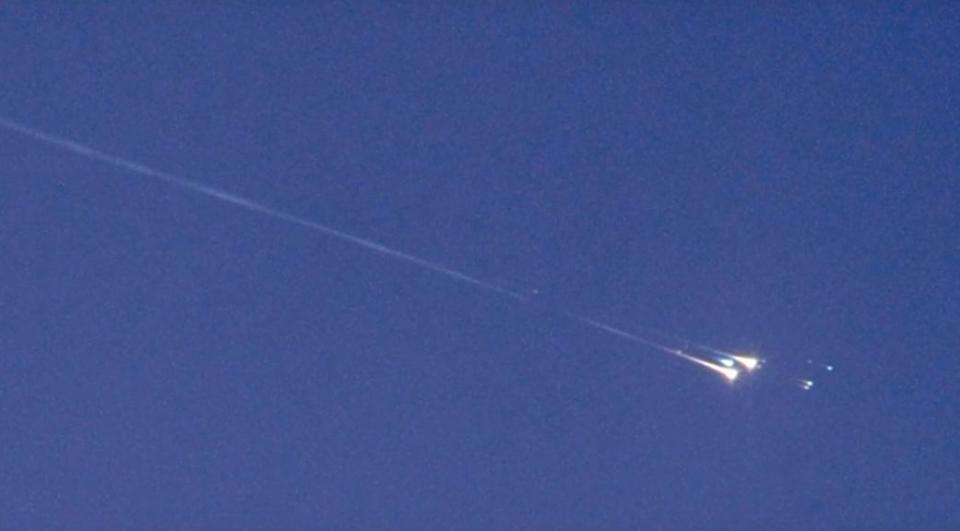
{"x":783,"y":179}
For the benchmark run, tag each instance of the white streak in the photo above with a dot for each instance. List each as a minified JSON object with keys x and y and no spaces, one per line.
{"x":748,"y":362}
{"x":247,"y":204}
{"x":727,"y":372}
{"x":188,"y":185}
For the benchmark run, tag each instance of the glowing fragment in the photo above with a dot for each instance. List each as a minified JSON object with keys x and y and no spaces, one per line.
{"x":824,"y":366}
{"x":748,"y":362}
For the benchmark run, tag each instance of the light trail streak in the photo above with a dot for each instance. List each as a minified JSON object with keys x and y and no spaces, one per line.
{"x":247,"y":204}
{"x":748,"y":362}
{"x":188,"y":185}
{"x":727,"y":372}
{"x":725,"y":358}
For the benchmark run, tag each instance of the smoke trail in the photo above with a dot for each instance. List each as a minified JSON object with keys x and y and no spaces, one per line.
{"x":253,"y":206}
{"x":728,"y":372}
{"x":259,"y":208}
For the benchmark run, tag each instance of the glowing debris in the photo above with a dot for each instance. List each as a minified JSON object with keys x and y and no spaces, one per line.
{"x":748,"y":362}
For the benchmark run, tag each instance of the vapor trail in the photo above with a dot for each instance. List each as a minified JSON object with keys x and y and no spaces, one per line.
{"x":728,"y":372}
{"x":689,"y":342}
{"x":259,"y":208}
{"x":253,"y":206}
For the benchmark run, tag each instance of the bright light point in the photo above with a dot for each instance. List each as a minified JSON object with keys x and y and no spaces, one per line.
{"x":748,"y":362}
{"x":726,"y":362}
{"x":806,"y":385}
{"x":824,"y":366}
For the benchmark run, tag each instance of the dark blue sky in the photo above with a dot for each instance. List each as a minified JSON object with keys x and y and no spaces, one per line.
{"x":781,"y":179}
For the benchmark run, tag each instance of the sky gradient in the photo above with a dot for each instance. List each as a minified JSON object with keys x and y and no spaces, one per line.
{"x":778,"y":179}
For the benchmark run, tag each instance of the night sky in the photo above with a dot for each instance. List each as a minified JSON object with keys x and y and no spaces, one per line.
{"x":778,"y":179}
